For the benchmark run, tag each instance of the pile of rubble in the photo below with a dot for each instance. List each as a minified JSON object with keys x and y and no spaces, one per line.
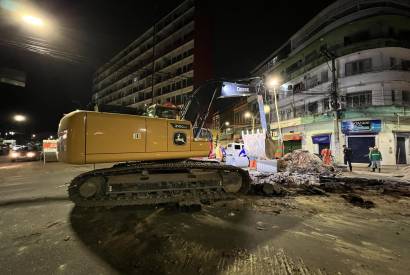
{"x":301,"y":161}
{"x":299,"y":169}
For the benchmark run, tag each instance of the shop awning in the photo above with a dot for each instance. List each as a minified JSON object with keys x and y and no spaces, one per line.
{"x":292,"y":136}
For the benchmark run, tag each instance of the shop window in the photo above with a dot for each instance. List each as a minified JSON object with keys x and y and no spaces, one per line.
{"x":358,"y":66}
{"x":360,"y":99}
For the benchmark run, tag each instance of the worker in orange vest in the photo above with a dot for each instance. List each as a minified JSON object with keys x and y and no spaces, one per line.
{"x":326,"y":156}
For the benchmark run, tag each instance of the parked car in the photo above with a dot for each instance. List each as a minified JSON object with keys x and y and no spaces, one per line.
{"x":24,"y":153}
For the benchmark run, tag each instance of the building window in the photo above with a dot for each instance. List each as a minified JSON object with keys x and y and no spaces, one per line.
{"x":311,"y":82}
{"x":358,"y":66}
{"x":326,"y":105}
{"x":324,"y":77}
{"x":405,"y":65}
{"x":298,"y":87}
{"x":311,"y":56}
{"x":357,"y":37}
{"x":393,"y":96}
{"x":312,"y":107}
{"x":360,"y":99}
{"x":406,"y":98}
{"x":300,"y":111}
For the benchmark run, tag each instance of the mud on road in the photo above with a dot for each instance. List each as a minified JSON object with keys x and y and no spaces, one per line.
{"x":253,"y":235}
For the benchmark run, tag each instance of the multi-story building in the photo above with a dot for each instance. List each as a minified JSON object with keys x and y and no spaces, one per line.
{"x":164,"y":64}
{"x":370,"y":40}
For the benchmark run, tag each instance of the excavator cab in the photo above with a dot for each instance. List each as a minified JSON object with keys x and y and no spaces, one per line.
{"x":169,"y":111}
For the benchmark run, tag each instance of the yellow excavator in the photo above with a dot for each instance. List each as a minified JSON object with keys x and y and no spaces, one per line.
{"x":159,"y":156}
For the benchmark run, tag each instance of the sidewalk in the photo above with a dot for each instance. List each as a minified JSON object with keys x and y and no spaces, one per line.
{"x":386,"y":171}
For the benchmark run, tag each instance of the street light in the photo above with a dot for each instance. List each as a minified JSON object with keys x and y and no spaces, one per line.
{"x":32,"y":20}
{"x":272,"y":83}
{"x":20,"y":118}
{"x":227,"y":123}
{"x":33,"y":135}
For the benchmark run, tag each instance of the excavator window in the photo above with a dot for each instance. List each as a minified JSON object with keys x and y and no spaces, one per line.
{"x":162,"y":111}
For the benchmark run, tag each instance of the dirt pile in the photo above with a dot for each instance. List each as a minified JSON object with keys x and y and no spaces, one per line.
{"x":301,"y":161}
{"x":299,"y":169}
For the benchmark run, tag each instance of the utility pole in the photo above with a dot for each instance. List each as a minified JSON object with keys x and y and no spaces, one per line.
{"x":334,"y":100}
{"x":153,"y":63}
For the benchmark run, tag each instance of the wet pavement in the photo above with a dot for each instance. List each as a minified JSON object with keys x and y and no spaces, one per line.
{"x":41,"y":232}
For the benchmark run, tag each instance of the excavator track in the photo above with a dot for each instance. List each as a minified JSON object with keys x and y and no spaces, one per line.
{"x":148,"y":183}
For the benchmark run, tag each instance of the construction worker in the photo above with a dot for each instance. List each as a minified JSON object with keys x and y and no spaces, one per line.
{"x":326,"y":156}
{"x":376,"y":158}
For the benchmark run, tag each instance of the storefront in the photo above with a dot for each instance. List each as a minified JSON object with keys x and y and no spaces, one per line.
{"x":402,"y":143}
{"x":321,"y":142}
{"x":359,"y":136}
{"x":292,"y":141}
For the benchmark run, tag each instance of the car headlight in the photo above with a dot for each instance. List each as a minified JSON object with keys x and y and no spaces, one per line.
{"x":15,"y":155}
{"x":30,"y":154}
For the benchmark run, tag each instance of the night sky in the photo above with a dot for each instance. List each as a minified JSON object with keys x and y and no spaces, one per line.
{"x":90,"y":32}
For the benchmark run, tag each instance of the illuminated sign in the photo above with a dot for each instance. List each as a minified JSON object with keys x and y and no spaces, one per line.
{"x":361,"y":126}
{"x":230,"y":89}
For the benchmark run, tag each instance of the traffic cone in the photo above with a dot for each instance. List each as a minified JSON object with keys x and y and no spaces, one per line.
{"x":252,"y":164}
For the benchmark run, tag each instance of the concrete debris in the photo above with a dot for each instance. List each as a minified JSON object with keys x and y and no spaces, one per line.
{"x":284,"y":179}
{"x":301,"y":161}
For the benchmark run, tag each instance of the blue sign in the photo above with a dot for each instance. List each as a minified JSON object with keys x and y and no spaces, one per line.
{"x":321,"y":139}
{"x":231,"y":89}
{"x":361,"y":126}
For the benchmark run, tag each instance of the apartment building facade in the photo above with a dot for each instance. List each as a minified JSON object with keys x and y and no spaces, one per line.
{"x":164,"y":64}
{"x":371,"y":43}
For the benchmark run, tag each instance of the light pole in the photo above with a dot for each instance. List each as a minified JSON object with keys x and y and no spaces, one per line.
{"x":334,"y":101}
{"x":272,"y":83}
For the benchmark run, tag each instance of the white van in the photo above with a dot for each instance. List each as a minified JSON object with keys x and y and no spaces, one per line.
{"x":235,"y":155}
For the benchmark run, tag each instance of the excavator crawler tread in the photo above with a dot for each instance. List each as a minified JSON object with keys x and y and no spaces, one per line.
{"x":203,"y":192}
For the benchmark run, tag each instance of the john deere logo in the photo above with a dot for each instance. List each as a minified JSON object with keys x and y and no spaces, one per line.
{"x":179,"y":138}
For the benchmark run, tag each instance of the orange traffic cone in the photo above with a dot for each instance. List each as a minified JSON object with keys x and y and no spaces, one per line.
{"x":252,"y":164}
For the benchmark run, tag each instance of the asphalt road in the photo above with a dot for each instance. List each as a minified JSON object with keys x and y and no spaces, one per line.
{"x":41,"y":232}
